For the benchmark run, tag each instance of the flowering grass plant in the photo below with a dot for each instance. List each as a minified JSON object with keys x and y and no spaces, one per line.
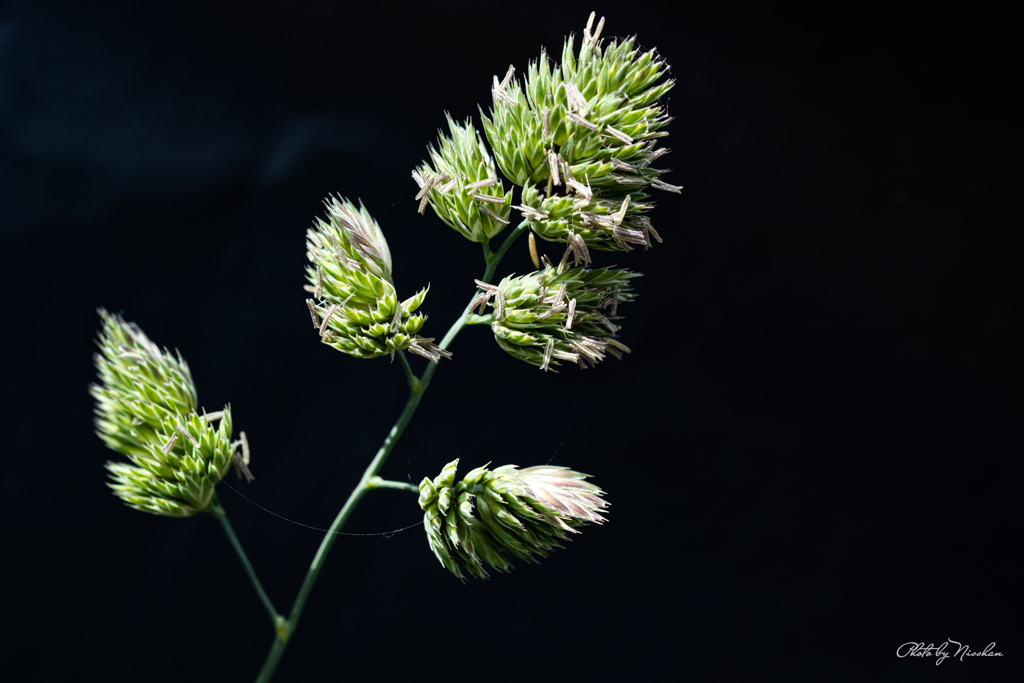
{"x":579,"y":139}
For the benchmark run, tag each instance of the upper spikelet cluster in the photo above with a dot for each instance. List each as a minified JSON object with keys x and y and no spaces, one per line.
{"x":581,"y":137}
{"x":462,"y":185}
{"x":146,"y":410}
{"x":354,"y":305}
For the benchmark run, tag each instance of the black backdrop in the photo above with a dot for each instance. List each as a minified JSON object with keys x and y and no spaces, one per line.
{"x":808,"y":453}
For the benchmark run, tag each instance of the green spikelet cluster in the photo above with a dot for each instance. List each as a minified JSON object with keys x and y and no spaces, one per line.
{"x":146,"y":410}
{"x":463,"y":186}
{"x":580,"y":139}
{"x":354,"y":305}
{"x":491,"y":516}
{"x":547,"y":316}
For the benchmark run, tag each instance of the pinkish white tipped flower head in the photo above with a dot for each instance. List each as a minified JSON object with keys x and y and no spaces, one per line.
{"x":492,"y":516}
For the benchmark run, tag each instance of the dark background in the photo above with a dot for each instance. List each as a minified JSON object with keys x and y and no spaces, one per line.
{"x":808,"y":453}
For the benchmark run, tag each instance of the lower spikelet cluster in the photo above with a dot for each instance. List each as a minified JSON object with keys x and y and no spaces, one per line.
{"x":146,"y":410}
{"x":491,"y":516}
{"x":547,"y":316}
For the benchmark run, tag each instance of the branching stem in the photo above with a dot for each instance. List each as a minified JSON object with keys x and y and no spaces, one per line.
{"x":370,"y":480}
{"x":378,"y":483}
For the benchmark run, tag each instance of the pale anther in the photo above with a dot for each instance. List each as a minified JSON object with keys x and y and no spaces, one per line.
{"x":169,"y":445}
{"x":481,"y":183}
{"x":658,"y":153}
{"x":665,"y":186}
{"x":553,"y":166}
{"x":485,"y":286}
{"x":575,"y":99}
{"x":612,"y":327}
{"x":565,"y":258}
{"x":557,"y":308}
{"x":560,"y":297}
{"x":619,"y":134}
{"x":188,"y":435}
{"x":499,"y":304}
{"x":622,"y":165}
{"x":487,"y":198}
{"x":579,"y":120}
{"x":548,"y":348}
{"x":487,"y":212}
{"x":597,"y":33}
{"x":327,"y":318}
{"x":508,"y":76}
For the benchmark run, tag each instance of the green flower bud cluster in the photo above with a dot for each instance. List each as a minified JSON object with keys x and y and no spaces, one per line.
{"x":547,"y":316}
{"x":463,"y":186}
{"x":354,"y":305}
{"x":146,"y":410}
{"x":580,"y":139}
{"x":492,"y":516}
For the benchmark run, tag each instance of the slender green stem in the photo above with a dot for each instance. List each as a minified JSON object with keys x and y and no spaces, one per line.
{"x":492,"y":259}
{"x":370,"y":479}
{"x":410,"y":376}
{"x":218,"y":511}
{"x":325,"y":546}
{"x":378,"y":483}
